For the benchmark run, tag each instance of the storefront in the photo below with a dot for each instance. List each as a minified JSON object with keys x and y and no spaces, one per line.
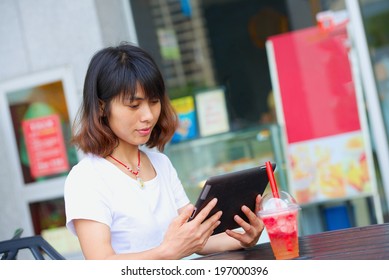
{"x":214,"y":60}
{"x":208,"y":46}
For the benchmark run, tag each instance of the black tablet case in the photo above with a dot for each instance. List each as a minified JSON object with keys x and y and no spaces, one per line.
{"x":233,"y":190}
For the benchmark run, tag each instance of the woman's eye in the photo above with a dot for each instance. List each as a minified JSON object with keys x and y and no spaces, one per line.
{"x":133,"y":106}
{"x":155,"y":101}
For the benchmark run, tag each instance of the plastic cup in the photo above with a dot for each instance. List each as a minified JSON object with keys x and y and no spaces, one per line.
{"x":280,"y":217}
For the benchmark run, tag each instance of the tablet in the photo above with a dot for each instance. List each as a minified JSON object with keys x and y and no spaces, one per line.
{"x":233,"y":190}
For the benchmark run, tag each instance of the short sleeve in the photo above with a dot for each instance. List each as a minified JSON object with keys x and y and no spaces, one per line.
{"x":181,"y":199}
{"x":166,"y":170}
{"x":85,"y":196}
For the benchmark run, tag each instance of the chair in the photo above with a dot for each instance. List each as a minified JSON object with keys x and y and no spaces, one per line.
{"x":17,"y":234}
{"x":36,"y":244}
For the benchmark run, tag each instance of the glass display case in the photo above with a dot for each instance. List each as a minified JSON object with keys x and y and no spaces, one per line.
{"x":197,"y":159}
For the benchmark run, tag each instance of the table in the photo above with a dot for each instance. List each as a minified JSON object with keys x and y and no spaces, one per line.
{"x":357,"y":243}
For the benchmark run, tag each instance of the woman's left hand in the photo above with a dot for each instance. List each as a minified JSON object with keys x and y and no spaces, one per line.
{"x":252,"y":229}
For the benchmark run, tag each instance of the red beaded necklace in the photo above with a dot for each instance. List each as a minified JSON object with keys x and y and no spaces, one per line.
{"x":136,"y":173}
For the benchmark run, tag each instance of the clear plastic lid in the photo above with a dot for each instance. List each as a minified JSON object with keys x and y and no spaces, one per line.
{"x":270,"y":204}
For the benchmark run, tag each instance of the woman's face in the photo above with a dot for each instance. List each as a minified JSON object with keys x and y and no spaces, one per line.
{"x":133,"y":121}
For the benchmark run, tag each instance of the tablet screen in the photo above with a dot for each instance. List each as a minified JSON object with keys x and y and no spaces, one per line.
{"x":233,"y":190}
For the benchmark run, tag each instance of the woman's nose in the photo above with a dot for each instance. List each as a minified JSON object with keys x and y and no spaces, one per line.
{"x":147,"y":113}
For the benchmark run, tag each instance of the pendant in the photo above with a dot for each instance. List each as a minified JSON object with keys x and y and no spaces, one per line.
{"x":140,"y":181}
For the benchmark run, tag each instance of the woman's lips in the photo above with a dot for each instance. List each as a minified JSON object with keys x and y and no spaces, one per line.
{"x":144,"y":131}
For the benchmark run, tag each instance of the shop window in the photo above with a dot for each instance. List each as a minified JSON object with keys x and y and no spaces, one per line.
{"x":41,"y":128}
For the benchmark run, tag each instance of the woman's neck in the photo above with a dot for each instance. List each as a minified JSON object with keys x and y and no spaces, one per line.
{"x":127,"y":154}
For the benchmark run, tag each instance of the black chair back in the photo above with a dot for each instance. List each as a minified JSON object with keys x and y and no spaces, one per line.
{"x":39,"y":248}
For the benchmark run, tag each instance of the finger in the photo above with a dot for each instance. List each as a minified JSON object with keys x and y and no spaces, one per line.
{"x":212,"y":222}
{"x":242,"y":223}
{"x":185,"y":214}
{"x":214,"y":218}
{"x":208,"y":231}
{"x":236,"y":235}
{"x":203,"y":214}
{"x":253,"y":219}
{"x":214,"y":226}
{"x":245,"y":240}
{"x":261,"y":225}
{"x":257,"y":202}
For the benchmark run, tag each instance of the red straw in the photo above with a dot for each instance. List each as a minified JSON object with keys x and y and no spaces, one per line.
{"x":270,"y":175}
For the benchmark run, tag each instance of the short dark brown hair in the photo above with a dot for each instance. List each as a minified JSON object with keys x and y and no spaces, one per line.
{"x":115,"y":72}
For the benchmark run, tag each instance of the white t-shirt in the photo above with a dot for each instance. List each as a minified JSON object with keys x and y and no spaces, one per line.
{"x":96,"y":189}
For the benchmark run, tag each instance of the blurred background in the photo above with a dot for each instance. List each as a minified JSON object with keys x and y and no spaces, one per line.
{"x":302,"y":83}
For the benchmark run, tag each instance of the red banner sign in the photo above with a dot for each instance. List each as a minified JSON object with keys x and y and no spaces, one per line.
{"x":326,"y":150}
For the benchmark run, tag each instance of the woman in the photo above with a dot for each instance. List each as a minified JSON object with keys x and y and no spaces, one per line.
{"x":126,"y":203}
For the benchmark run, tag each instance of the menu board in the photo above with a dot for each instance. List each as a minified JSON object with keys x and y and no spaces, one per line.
{"x":212,"y":112}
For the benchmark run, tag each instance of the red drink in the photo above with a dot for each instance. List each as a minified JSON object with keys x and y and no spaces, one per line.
{"x":282,"y":230}
{"x":279,"y":216}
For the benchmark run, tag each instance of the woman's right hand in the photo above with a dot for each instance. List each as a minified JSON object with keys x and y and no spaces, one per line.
{"x":184,"y":238}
